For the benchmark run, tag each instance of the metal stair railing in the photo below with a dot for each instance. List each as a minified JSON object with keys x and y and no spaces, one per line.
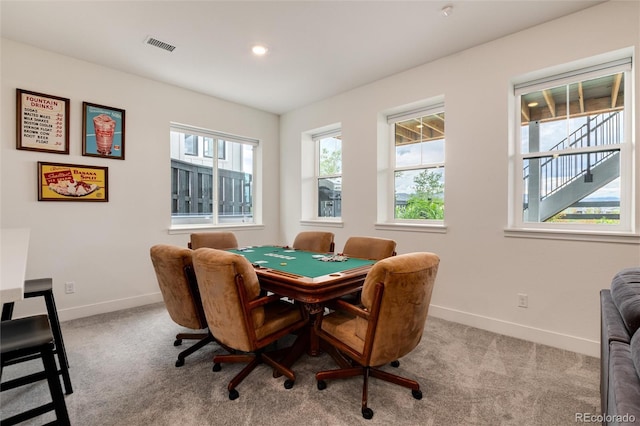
{"x":558,"y":172}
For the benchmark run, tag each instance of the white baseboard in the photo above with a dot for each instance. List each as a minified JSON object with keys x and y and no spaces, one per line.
{"x":110,"y":306}
{"x":532,"y":334}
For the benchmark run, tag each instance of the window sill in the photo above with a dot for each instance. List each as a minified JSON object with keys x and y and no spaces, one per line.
{"x":187,"y":229}
{"x":413,"y":227}
{"x":568,"y":235}
{"x":335,"y":223}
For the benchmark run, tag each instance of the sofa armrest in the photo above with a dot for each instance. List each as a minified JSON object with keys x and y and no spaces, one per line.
{"x":612,"y":329}
{"x":625,"y":292}
{"x":612,"y":324}
{"x":624,"y":386}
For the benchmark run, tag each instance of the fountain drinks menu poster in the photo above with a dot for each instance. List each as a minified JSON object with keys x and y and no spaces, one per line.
{"x":43,"y":122}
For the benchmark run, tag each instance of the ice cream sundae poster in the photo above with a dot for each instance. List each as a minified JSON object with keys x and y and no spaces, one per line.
{"x":72,"y":182}
{"x":102,"y":131}
{"x":43,"y":122}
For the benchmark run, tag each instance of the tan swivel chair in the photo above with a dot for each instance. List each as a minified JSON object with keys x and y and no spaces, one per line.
{"x":179,"y":289}
{"x":315,"y":241}
{"x":371,"y":248}
{"x":395,"y":298}
{"x":239,"y":317}
{"x":216,"y":240}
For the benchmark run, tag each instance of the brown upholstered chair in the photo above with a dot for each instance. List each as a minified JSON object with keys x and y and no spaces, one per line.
{"x":371,"y":248}
{"x":239,"y":317}
{"x":395,"y":298}
{"x":216,"y":240}
{"x":316,"y":241}
{"x":179,"y":289}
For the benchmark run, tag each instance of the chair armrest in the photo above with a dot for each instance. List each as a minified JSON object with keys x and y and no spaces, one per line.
{"x":341,"y":305}
{"x":264,"y":300}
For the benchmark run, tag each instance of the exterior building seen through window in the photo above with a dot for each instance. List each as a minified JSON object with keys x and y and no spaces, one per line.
{"x":204,"y":191}
{"x":329,"y":174}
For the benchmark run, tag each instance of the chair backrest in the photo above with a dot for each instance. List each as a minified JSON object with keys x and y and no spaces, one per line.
{"x":371,"y":248}
{"x":174,"y":272}
{"x":315,"y":241}
{"x":408,"y":281}
{"x":218,"y":272}
{"x":215,"y":240}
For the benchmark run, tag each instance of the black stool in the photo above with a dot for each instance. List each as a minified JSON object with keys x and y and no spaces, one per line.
{"x":44,"y":287}
{"x":32,"y":337}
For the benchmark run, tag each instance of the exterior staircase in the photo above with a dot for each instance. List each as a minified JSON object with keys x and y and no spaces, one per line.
{"x":564,"y":180}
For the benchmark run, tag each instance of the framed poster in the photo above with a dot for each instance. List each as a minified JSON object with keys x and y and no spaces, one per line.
{"x":102,"y":131}
{"x":72,"y":182}
{"x":42,"y":122}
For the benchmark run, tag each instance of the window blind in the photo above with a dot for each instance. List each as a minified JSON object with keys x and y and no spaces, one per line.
{"x":605,"y":68}
{"x":333,"y":133}
{"x":183,"y":128}
{"x":416,"y":112}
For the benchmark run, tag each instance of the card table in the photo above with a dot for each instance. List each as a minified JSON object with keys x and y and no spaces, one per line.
{"x":304,"y":277}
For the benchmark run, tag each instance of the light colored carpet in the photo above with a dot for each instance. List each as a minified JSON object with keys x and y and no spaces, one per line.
{"x":123,"y":373}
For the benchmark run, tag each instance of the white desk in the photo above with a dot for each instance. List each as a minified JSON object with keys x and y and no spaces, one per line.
{"x":14,"y":246}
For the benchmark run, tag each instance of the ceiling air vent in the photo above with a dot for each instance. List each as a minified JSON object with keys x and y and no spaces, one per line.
{"x":161,"y":44}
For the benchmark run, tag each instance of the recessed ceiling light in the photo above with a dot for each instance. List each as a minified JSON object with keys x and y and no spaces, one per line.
{"x":447,"y":11}
{"x":532,"y":104}
{"x":259,"y":50}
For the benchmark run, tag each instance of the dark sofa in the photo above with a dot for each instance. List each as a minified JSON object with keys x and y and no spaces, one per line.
{"x":620,"y":349}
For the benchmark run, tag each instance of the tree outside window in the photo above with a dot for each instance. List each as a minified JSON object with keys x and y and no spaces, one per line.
{"x":419,"y":142}
{"x":329,"y":176}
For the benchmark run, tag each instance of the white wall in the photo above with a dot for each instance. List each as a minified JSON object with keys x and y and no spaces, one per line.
{"x":104,"y":247}
{"x":481,"y":270}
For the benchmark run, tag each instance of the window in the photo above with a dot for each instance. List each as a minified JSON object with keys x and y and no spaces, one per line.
{"x":191,"y":145}
{"x":418,"y":158}
{"x":204,"y":191}
{"x":573,"y":151}
{"x":328,"y":173}
{"x":208,"y":149}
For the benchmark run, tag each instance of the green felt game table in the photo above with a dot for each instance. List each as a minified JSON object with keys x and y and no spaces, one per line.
{"x":302,"y":276}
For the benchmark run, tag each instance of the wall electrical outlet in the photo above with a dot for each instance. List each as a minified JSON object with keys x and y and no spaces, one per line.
{"x":70,"y":287}
{"x":523,"y":300}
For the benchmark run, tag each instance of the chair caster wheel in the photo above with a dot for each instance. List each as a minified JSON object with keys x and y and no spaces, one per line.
{"x":288,"y":384}
{"x":367,"y":413}
{"x":179,"y":362}
{"x":233,"y":394}
{"x":216,"y":367}
{"x":395,"y":363}
{"x":417,"y":394}
{"x":177,"y":342}
{"x":322,"y":385}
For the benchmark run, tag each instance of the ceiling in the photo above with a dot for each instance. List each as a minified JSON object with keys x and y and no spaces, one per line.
{"x":317,"y":49}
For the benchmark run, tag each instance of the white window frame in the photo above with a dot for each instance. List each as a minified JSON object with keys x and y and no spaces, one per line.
{"x":393,"y":118}
{"x":256,"y":185}
{"x":316,"y":138}
{"x":309,"y":161}
{"x":605,"y":232}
